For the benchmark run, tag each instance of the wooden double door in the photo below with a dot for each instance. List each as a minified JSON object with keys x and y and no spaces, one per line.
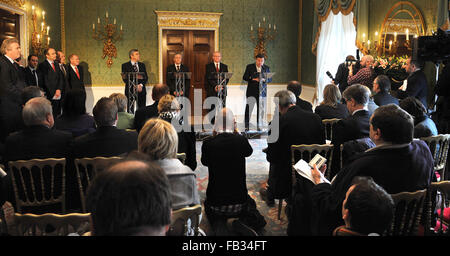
{"x":9,"y":25}
{"x":197,"y":47}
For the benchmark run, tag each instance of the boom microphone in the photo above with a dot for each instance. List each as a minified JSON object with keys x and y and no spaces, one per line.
{"x":329,"y":75}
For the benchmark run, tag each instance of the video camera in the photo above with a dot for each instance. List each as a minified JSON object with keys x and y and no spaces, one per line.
{"x":435,"y":48}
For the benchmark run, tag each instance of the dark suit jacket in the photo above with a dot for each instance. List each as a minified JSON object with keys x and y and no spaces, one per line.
{"x":127,"y":67}
{"x":52,"y":80}
{"x":250,"y":73}
{"x":407,"y":168}
{"x":354,"y":127}
{"x":384,"y":98}
{"x":145,"y":113}
{"x":303,"y":104}
{"x":295,"y":127}
{"x":211,"y":78}
{"x":37,"y":142}
{"x":30,"y":79}
{"x":328,"y":112}
{"x":417,"y":87}
{"x":106,"y":141}
{"x":171,"y":79}
{"x":340,"y":79}
{"x":73,"y":82}
{"x":224,"y":155}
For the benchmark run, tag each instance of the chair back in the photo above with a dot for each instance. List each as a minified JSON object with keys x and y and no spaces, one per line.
{"x":186,"y":221}
{"x":181,"y":157}
{"x":407,"y":213}
{"x":50,"y":224}
{"x":307,"y":152}
{"x":438,"y":199}
{"x":39,"y":184}
{"x":439,"y":146}
{"x":87,"y":169}
{"x":329,"y":123}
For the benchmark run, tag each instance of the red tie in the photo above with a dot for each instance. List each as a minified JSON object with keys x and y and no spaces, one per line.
{"x":217,"y":67}
{"x":78,"y":74}
{"x":53,"y":66}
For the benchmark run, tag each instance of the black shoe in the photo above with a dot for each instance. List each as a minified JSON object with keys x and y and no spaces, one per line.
{"x":242,"y":229}
{"x":264,"y":196}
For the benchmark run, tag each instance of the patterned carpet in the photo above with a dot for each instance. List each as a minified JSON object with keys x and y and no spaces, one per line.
{"x":257,"y":169}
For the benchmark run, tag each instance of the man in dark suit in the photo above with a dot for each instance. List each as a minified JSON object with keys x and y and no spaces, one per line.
{"x":416,"y":85}
{"x":75,"y":74}
{"x":12,"y":82}
{"x":145,"y":113}
{"x":252,"y":76}
{"x":381,"y":88}
{"x":53,"y":82}
{"x":107,"y":140}
{"x":211,"y":75}
{"x":177,"y":66}
{"x":340,"y":79}
{"x":296,"y":88}
{"x":356,"y":126}
{"x":296,"y":127}
{"x":135,"y":66}
{"x":32,"y":76}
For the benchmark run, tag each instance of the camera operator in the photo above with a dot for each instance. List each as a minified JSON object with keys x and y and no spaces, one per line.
{"x":443,"y":102}
{"x":342,"y":73}
{"x":365,"y":75}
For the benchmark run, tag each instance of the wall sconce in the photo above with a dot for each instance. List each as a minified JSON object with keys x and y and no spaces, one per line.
{"x":40,"y":38}
{"x":262,"y":35}
{"x":109,"y":35}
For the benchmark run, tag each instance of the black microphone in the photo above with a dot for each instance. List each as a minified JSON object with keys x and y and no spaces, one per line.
{"x":329,"y":75}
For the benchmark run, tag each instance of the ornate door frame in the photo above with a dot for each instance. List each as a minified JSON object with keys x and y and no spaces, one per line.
{"x":18,"y":7}
{"x":185,"y":21}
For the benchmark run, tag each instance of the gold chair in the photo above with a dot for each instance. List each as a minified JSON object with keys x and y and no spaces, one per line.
{"x":306,"y":152}
{"x":329,"y":123}
{"x":181,"y":157}
{"x":186,"y":222}
{"x":439,"y":146}
{"x":38,"y":225}
{"x":407,"y":213}
{"x":438,"y":197}
{"x":39,"y":183}
{"x":87,"y":169}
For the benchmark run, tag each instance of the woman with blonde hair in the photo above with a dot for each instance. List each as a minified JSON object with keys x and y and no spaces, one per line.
{"x":159,"y":141}
{"x":331,"y":107}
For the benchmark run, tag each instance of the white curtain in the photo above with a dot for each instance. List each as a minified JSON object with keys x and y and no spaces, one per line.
{"x":336,"y":41}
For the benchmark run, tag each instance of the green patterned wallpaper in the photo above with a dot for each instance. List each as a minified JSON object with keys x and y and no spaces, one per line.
{"x":140,"y":31}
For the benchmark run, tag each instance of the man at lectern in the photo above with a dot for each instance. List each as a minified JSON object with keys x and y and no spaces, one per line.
{"x":177,"y":66}
{"x":211,"y":87}
{"x":135,"y":66}
{"x":253,"y":73}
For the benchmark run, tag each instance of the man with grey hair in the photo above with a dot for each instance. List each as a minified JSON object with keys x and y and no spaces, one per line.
{"x":38,"y":139}
{"x":107,"y":140}
{"x":12,"y":81}
{"x":134,"y":65}
{"x":365,"y":75}
{"x":125,"y":119}
{"x":296,"y":126}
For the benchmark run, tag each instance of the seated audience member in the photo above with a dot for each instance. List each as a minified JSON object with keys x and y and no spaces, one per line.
{"x":423,"y":125}
{"x":295,"y":127}
{"x":169,"y":110}
{"x":381,"y":88}
{"x":355,"y":126}
{"x":107,"y":140}
{"x":371,"y":105}
{"x":331,"y":107}
{"x":28,"y":93}
{"x":366,"y":210}
{"x":125,"y":119}
{"x":296,"y":88}
{"x":397,"y":163}
{"x":37,"y":139}
{"x":159,"y":140}
{"x":74,"y":118}
{"x":147,"y":112}
{"x":224,"y":154}
{"x":130,"y":198}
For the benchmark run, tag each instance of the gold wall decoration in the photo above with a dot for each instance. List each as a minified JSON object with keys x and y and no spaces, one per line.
{"x":40,"y":38}
{"x":188,"y":19}
{"x":262,"y":35}
{"x":109,"y":35}
{"x":17,"y":3}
